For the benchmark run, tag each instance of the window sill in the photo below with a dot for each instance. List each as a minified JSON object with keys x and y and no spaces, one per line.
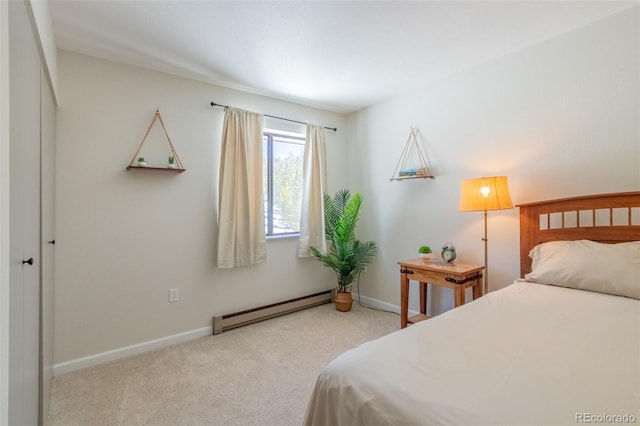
{"x":282,"y":237}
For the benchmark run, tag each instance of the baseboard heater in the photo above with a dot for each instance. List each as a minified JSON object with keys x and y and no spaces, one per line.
{"x":250,"y":316}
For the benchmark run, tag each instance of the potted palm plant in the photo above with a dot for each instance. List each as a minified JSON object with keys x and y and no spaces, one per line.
{"x":346,"y":255}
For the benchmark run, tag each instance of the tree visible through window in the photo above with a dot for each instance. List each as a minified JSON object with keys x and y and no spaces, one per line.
{"x":282,"y":168}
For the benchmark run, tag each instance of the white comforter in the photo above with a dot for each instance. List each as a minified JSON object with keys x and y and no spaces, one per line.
{"x":527,"y":354}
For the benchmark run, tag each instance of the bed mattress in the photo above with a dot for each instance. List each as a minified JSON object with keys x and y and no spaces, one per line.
{"x":528,"y":354}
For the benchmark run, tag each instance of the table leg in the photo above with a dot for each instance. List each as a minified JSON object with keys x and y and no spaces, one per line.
{"x":404,"y":299}
{"x":423,"y":297}
{"x":458,"y":293}
{"x":477,"y":289}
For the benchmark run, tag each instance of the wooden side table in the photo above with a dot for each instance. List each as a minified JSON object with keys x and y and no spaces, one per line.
{"x":457,"y":276}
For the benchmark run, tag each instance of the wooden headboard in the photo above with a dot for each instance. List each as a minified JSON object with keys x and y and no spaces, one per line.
{"x":607,"y":218}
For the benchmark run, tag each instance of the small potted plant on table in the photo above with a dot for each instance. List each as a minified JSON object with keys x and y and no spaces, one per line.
{"x":141,"y":162}
{"x":172,"y":162}
{"x":425,"y":252}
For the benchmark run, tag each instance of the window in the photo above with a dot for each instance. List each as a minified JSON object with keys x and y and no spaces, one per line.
{"x":283,"y":154}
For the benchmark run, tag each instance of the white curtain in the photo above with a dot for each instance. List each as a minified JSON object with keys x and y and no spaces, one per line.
{"x":241,"y":235}
{"x":313,"y":188}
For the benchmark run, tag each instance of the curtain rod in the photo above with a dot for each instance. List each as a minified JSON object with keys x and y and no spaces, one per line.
{"x":335,"y":129}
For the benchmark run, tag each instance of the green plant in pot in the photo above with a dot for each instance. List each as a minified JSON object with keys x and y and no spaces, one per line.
{"x":425,"y":252}
{"x":346,"y":255}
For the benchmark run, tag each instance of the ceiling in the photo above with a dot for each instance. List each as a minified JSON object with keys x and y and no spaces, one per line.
{"x":337,"y":55}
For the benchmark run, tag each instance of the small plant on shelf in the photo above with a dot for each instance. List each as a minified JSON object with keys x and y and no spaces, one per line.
{"x":172,"y":162}
{"x":141,"y":162}
{"x":425,"y":252}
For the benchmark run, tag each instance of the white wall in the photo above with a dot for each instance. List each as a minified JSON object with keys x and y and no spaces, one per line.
{"x":124,"y":238}
{"x":560,"y":119}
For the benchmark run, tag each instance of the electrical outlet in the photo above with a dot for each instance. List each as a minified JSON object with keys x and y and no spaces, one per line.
{"x":174,"y":296}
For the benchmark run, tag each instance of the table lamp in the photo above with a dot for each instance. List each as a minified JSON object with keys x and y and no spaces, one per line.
{"x":483,"y":194}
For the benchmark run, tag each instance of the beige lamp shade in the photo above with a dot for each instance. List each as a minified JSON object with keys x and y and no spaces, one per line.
{"x":487,"y":193}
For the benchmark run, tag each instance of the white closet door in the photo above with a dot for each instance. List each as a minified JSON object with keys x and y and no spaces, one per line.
{"x":24,"y":244}
{"x":47,"y":143}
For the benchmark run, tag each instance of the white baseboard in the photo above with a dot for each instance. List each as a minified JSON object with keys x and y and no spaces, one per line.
{"x":127,"y":351}
{"x":379,"y":304}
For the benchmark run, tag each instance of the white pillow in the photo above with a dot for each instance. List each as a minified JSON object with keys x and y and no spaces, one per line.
{"x":588,"y":265}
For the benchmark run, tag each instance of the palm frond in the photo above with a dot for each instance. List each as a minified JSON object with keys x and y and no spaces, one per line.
{"x":346,"y":226}
{"x":331,"y":216}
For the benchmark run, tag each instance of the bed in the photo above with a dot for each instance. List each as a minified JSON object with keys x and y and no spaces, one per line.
{"x":559,"y":346}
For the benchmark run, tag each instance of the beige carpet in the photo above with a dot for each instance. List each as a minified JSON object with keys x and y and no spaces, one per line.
{"x":261,"y":374}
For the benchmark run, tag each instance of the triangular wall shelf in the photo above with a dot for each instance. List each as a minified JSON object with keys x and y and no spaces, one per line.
{"x":401,"y":171}
{"x":179,"y":168}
